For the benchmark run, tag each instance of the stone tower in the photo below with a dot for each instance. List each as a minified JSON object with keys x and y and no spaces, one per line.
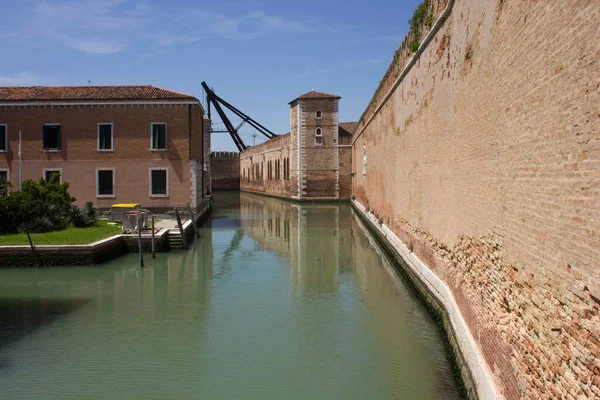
{"x":314,"y":153}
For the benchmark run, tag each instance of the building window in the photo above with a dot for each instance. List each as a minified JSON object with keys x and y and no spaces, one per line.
{"x":319,"y":114}
{"x":49,"y":174}
{"x":3,"y":138}
{"x":3,"y":175}
{"x":105,"y":182}
{"x":278,"y":169}
{"x":159,"y":182}
{"x":318,"y":136}
{"x":105,"y":137}
{"x":159,"y":136}
{"x":52,"y":137}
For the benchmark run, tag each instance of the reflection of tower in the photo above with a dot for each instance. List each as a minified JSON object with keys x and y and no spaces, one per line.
{"x":314,"y":237}
{"x":318,"y":260}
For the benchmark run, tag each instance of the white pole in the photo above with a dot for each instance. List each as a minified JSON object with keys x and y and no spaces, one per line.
{"x":20,"y":161}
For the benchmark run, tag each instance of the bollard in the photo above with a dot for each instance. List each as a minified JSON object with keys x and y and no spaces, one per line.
{"x":35,"y":255}
{"x":153,"y":252}
{"x":193,"y":220}
{"x":139,"y":226}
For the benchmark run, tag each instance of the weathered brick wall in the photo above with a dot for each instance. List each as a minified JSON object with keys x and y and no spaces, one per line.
{"x":131,"y":158}
{"x":345,"y":172}
{"x":225,"y":170}
{"x":259,"y":157}
{"x":485,"y":161}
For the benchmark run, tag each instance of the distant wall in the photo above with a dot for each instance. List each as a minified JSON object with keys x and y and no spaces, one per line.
{"x":485,"y":162}
{"x":225,"y":170}
{"x":254,"y":164}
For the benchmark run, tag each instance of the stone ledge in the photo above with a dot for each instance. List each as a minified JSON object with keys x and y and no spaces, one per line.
{"x":93,"y":253}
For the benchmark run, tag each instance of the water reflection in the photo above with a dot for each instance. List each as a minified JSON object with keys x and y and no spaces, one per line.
{"x":275,"y":300}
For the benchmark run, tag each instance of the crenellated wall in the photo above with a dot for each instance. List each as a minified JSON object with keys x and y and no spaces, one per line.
{"x":485,"y":161}
{"x":225,"y":170}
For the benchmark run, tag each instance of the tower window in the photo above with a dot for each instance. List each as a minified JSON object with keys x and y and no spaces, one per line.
{"x":318,"y":136}
{"x":319,"y":114}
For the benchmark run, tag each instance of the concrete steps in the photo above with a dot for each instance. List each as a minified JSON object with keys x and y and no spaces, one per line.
{"x":175,"y":240}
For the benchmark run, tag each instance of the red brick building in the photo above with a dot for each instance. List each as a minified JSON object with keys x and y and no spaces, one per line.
{"x":113,"y":144}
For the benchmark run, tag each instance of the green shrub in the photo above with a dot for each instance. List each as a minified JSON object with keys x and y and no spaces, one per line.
{"x":41,"y":207}
{"x":419,"y":16}
{"x":429,"y":21}
{"x":414,"y":45}
{"x":83,"y":217}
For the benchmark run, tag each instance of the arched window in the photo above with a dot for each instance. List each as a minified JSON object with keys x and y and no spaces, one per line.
{"x":318,"y":136}
{"x":319,"y":114}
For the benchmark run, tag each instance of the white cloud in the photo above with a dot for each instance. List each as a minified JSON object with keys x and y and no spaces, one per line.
{"x":96,"y":45}
{"x":100,"y":27}
{"x":112,"y":26}
{"x":193,"y":25}
{"x":21,"y":79}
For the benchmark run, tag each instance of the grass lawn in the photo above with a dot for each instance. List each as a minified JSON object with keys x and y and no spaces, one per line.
{"x":67,"y":236}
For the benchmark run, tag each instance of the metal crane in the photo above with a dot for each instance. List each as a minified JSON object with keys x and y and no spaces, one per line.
{"x":217,"y":102}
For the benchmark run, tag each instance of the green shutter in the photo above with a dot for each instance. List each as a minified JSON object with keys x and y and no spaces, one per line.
{"x":3,"y":138}
{"x":58,"y":139}
{"x":45,"y":139}
{"x":154,"y":136}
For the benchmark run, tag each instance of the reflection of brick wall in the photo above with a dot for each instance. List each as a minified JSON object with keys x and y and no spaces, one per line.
{"x":485,"y":161}
{"x":225,"y":167}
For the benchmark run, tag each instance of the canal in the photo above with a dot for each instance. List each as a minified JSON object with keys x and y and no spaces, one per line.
{"x":274,"y":301}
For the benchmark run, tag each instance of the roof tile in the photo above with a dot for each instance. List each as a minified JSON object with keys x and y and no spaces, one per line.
{"x":102,"y":93}
{"x":347,"y":128}
{"x":313,"y":94}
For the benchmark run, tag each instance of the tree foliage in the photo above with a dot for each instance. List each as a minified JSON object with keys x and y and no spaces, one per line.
{"x":41,"y":207}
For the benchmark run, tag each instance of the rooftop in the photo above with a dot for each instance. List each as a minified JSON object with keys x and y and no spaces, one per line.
{"x":347,"y":128}
{"x":313,"y":94}
{"x":102,"y":93}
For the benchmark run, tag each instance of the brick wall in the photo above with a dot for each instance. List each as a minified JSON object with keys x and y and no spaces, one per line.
{"x":485,"y":161}
{"x":257,"y":158}
{"x":225,"y":170}
{"x":131,"y":157}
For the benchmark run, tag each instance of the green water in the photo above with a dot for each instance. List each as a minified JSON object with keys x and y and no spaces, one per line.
{"x":274,"y":301}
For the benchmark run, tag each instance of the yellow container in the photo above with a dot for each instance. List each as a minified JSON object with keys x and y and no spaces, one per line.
{"x":117,"y":210}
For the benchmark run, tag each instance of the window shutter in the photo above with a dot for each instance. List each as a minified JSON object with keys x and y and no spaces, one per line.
{"x":45,"y":137}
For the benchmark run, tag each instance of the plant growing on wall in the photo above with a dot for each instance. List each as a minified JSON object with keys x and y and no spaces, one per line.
{"x":419,"y":18}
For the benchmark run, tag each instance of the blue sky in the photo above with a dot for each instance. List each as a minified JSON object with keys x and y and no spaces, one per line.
{"x":258,"y":55}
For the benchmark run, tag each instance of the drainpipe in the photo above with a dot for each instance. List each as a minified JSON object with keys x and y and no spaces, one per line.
{"x":434,"y":30}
